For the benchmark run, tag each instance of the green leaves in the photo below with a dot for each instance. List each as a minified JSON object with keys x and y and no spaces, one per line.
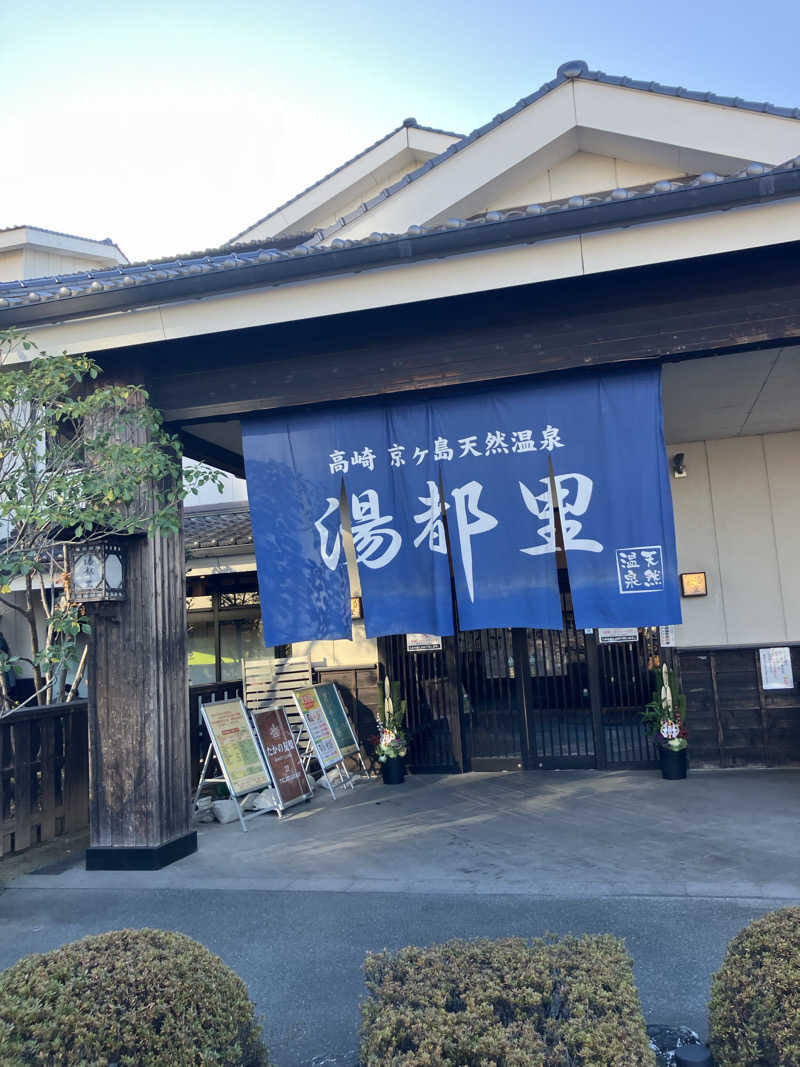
{"x":79,"y":458}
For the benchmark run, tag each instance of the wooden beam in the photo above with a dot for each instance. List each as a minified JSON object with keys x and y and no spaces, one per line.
{"x":196,"y":448}
{"x":712,"y":304}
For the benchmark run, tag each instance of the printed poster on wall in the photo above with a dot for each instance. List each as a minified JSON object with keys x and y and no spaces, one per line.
{"x":235,"y":746}
{"x":666,"y":636}
{"x":776,"y":668}
{"x":318,"y":727}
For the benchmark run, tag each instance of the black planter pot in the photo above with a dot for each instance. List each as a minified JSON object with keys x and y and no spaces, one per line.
{"x":674,"y":765}
{"x":393,"y":770}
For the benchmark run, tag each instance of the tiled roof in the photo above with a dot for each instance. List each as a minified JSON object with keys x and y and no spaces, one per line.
{"x":63,"y":288}
{"x":290,"y":240}
{"x":217,"y":526}
{"x":406,"y":123}
{"x":572,"y":71}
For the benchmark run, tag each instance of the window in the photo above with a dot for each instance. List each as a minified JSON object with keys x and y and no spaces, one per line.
{"x":224,"y":627}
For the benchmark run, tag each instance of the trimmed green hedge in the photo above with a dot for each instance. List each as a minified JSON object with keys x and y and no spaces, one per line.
{"x":506,"y":1003}
{"x":131,"y":998}
{"x":754,"y":1014}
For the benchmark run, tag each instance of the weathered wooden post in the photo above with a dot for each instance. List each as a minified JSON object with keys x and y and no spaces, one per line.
{"x":139,"y":767}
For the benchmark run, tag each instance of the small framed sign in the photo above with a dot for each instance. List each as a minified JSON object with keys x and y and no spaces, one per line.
{"x":693,"y":583}
{"x":617,"y":635}
{"x":423,"y":643}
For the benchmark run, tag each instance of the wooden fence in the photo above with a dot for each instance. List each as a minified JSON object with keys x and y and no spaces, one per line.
{"x":44,"y":774}
{"x":732,"y":720}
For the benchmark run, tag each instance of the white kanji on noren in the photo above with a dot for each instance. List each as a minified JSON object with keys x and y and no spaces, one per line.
{"x":329,"y":552}
{"x":573,"y":499}
{"x":396,"y":452}
{"x":466,"y":499}
{"x":550,"y":438}
{"x":495,"y":442}
{"x":338,"y":462}
{"x":431,"y":517}
{"x":375,"y":542}
{"x":441,"y":449}
{"x":523,"y":441}
{"x":468,"y":446}
{"x":365,"y":458}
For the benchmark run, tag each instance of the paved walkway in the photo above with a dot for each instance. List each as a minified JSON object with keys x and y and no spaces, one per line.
{"x":557,"y":833}
{"x":677,"y":868}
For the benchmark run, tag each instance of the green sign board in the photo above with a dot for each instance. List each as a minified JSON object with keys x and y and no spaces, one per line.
{"x":328,"y":696}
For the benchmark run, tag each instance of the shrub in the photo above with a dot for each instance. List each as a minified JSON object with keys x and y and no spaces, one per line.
{"x":754,"y":1014}
{"x":129,"y":998}
{"x":506,"y":1003}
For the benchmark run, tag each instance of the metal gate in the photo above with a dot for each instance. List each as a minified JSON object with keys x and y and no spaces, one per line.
{"x":626,"y":683}
{"x":561,"y":725}
{"x":495,"y":699}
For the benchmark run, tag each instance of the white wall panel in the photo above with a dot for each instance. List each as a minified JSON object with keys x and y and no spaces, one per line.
{"x":737,"y":517}
{"x":782,"y":452}
{"x":695,"y":535}
{"x":745,"y":540}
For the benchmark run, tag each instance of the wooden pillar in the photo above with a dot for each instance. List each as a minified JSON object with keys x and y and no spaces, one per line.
{"x":139,"y":768}
{"x":140,"y":808}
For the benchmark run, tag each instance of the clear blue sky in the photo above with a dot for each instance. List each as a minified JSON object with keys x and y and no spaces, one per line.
{"x":171,"y":126}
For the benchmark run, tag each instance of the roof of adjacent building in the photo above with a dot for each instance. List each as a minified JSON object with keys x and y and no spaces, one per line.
{"x":214,"y":526}
{"x":60,"y":233}
{"x":405,"y":124}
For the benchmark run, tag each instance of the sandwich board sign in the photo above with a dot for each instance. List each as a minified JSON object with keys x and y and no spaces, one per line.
{"x":331,"y":701}
{"x":239,"y":757}
{"x":281,"y":756}
{"x":320,"y":736}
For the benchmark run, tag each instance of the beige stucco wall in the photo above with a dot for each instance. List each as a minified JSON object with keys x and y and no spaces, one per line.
{"x":737,"y":517}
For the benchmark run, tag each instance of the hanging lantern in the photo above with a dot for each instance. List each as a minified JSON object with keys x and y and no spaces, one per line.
{"x":99,"y":570}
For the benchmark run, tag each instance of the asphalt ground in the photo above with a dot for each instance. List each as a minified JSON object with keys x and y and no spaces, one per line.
{"x":294,"y":906}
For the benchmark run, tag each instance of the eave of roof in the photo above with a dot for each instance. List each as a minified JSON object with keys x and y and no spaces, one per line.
{"x":407,"y":123}
{"x":38,"y":301}
{"x":217,"y":526}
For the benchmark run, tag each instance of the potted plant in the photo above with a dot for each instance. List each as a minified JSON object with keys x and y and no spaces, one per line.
{"x":665,"y":719}
{"x":392,"y":745}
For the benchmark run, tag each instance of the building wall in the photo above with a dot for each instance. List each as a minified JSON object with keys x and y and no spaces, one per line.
{"x":581,"y":173}
{"x":12,"y":265}
{"x":26,"y":262}
{"x":737,"y":517}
